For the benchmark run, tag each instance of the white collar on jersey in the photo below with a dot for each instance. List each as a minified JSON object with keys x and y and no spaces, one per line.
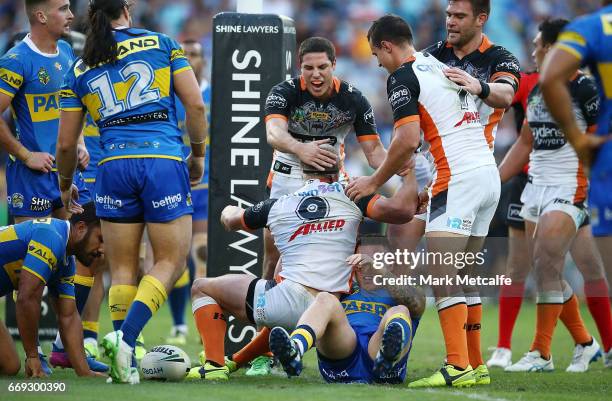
{"x":28,"y":41}
{"x":120,"y":27}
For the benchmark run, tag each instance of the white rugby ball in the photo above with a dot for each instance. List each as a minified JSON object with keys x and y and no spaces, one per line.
{"x":165,"y":362}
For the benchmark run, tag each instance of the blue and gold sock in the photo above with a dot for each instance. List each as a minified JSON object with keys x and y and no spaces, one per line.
{"x":120,"y":298}
{"x":150,"y":297}
{"x":178,"y":298}
{"x":305,"y":337}
{"x":82,"y":286}
{"x":90,"y":330}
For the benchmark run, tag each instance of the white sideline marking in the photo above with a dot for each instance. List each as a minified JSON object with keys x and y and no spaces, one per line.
{"x":480,"y":397}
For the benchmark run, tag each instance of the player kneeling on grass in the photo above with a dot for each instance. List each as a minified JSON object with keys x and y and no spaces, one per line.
{"x":363,"y":337}
{"x":36,"y":254}
{"x":315,"y":230}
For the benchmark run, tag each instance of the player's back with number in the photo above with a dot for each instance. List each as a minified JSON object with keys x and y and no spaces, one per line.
{"x":132,"y":100}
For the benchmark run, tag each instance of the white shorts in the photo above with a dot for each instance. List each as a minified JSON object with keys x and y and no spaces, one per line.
{"x":468,"y":204}
{"x":279,"y":305}
{"x":540,"y":199}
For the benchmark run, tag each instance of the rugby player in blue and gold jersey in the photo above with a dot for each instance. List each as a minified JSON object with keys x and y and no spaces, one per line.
{"x":364,"y":337}
{"x":126,"y":81}
{"x":39,"y":253}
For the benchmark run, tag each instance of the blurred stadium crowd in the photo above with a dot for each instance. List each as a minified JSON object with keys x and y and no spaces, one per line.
{"x":512,"y":24}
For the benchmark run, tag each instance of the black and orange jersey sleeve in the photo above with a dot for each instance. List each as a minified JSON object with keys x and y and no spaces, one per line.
{"x":584,"y":92}
{"x":280,"y":99}
{"x":505,"y":67}
{"x":256,"y":216}
{"x":365,"y":204}
{"x":403,"y":91}
{"x":365,"y":125}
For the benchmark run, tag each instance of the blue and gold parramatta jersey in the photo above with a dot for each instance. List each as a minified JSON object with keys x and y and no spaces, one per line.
{"x":131,"y":101}
{"x":180,"y":115}
{"x":32,"y":80}
{"x":39,"y":247}
{"x":589,"y":38}
{"x":365,"y":309}
{"x":91,"y":135}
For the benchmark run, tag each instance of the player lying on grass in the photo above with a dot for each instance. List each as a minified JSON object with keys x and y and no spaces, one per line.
{"x":363,"y":337}
{"x":315,"y":230}
{"x":36,"y":254}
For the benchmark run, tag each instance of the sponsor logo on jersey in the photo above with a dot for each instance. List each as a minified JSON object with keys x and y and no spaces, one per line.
{"x":399,"y":97}
{"x":11,"y":78}
{"x":326,"y":226}
{"x":508,"y":65}
{"x":108,"y":203}
{"x":368,"y":117}
{"x":58,"y":66}
{"x":276,"y":101}
{"x":546,"y":136}
{"x":17,"y":200}
{"x":43,"y":76}
{"x":592,"y":106}
{"x":169,"y":201}
{"x":40,"y":204}
{"x":469,"y":117}
{"x":319,"y":116}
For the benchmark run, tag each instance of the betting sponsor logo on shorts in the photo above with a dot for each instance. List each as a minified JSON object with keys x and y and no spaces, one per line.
{"x":399,"y":97}
{"x":16,"y":200}
{"x":40,"y":204}
{"x":459,"y":224}
{"x":170,"y":202}
{"x":277,"y":101}
{"x":108,"y":203}
{"x":327,"y":226}
{"x":514,"y":212}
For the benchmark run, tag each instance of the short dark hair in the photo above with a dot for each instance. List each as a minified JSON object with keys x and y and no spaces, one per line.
{"x":317,"y":44}
{"x":551,"y":28}
{"x":391,"y":28}
{"x":478,"y":6}
{"x":31,"y":4}
{"x":88,"y":216}
{"x":193,"y":42}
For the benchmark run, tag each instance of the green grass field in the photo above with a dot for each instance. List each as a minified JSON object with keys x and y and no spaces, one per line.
{"x":427,"y":355}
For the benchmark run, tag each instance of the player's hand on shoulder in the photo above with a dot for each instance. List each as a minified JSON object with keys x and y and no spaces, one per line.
{"x":360,"y":187}
{"x":82,"y":156}
{"x":40,"y":161}
{"x":463,"y":79}
{"x":196,"y":170}
{"x":310,"y":153}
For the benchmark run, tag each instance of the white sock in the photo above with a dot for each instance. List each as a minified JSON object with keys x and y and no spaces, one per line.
{"x":58,"y":342}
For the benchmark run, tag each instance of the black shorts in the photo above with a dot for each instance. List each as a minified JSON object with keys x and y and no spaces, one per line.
{"x":513,"y":205}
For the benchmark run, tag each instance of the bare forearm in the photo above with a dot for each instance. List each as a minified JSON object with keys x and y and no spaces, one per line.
{"x":400,"y":148}
{"x":28,"y":315}
{"x":281,"y":140}
{"x":10,"y":144}
{"x":377,"y":156}
{"x":195,"y":122}
{"x":71,"y":331}
{"x":501,"y":95}
{"x":514,"y":161}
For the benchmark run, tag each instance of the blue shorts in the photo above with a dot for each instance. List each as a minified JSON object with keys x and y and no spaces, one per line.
{"x":35,"y":194}
{"x":135,"y":190}
{"x":600,"y":202}
{"x":357,"y":368}
{"x":200,"y":204}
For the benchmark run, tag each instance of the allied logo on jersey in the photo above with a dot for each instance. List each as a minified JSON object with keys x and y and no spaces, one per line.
{"x":399,"y":97}
{"x":43,"y":76}
{"x":17,"y":200}
{"x":40,"y":204}
{"x":469,"y":117}
{"x":58,"y":66}
{"x":276,"y":101}
{"x":368,"y":117}
{"x":326,"y":226}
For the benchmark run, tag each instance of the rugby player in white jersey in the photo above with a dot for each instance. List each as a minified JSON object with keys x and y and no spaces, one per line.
{"x":465,"y":190}
{"x":315,"y":229}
